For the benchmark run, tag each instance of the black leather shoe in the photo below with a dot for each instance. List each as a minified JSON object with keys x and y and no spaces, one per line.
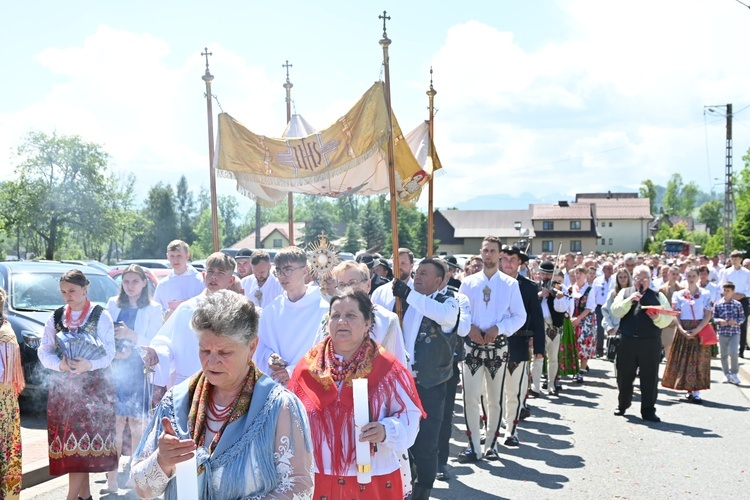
{"x":652,"y":418}
{"x":525,"y":413}
{"x":442,"y":473}
{"x":467,"y":457}
{"x":533,"y":393}
{"x":512,"y":441}
{"x":619,"y":412}
{"x":544,"y":385}
{"x":491,"y":455}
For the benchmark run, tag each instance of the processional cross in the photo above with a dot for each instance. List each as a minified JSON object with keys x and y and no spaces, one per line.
{"x":287,"y":66}
{"x":206,"y":53}
{"x":384,"y":17}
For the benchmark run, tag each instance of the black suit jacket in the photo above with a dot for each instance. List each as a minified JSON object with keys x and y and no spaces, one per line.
{"x":518,"y":346}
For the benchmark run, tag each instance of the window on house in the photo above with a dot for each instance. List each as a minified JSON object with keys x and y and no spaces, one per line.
{"x":604,"y":224}
{"x":611,"y":242}
{"x":604,"y":241}
{"x":575,"y":245}
{"x":575,"y":224}
{"x":610,"y":224}
{"x":547,"y":246}
{"x":548,"y":225}
{"x":277,"y":242}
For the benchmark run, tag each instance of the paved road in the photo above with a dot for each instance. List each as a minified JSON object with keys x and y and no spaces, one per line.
{"x":574,"y":447}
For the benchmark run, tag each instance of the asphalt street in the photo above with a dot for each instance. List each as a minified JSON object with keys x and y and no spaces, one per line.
{"x":574,"y":447}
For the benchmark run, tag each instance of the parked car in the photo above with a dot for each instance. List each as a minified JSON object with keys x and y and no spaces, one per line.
{"x":90,"y":263}
{"x":33,"y":293}
{"x":151,"y":263}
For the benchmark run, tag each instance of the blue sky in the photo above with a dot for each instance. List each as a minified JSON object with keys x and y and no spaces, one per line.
{"x":543,"y":97}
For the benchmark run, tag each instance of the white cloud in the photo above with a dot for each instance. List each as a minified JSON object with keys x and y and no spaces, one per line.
{"x":619,"y":101}
{"x":616,"y":96}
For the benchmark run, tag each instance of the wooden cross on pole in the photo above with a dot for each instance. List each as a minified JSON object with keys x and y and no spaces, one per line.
{"x":206,"y":53}
{"x":287,"y":66}
{"x":384,"y":17}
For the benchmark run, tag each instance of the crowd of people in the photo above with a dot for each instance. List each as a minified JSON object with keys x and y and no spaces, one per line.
{"x":249,"y":366}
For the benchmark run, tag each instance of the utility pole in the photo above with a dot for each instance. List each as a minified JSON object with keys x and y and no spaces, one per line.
{"x":728,"y":188}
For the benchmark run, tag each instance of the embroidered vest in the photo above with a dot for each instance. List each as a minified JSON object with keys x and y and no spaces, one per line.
{"x":557,"y":317}
{"x":636,"y":322}
{"x":433,"y":351}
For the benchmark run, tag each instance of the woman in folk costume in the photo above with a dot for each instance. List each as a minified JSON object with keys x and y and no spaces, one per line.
{"x":323,"y":381}
{"x":250,"y":436}
{"x":689,"y":363}
{"x":81,"y":404}
{"x":582,"y":317}
{"x":137,"y":319}
{"x":568,"y":357}
{"x":11,"y":385}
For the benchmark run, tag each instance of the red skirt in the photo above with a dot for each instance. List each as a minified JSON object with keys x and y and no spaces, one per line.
{"x":387,"y":487}
{"x":81,"y":422}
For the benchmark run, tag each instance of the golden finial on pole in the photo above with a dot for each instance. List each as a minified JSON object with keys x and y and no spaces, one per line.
{"x":290,"y":197}
{"x":208,"y":78}
{"x":430,"y":188}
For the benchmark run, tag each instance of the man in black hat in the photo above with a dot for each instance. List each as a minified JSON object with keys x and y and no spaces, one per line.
{"x":375,"y":280}
{"x":516,"y":369}
{"x":242,"y":258}
{"x":453,"y":283}
{"x":554,"y":302}
{"x":383,"y":269}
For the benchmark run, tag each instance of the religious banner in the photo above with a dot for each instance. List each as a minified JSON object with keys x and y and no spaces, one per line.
{"x":349,"y":157}
{"x":421,"y":146}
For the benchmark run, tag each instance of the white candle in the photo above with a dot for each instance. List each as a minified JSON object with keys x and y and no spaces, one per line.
{"x":187,"y":479}
{"x":361,"y":418}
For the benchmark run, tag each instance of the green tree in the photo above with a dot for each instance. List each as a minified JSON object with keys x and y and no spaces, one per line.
{"x":715,"y":243}
{"x":688,"y":197}
{"x":373,"y":229}
{"x":63,"y":184}
{"x":203,"y":246}
{"x":711,"y":214}
{"x":648,"y":190}
{"x":229,"y":215}
{"x":671,"y":201}
{"x":677,"y":232}
{"x":353,"y":238}
{"x":160,"y":220}
{"x":186,"y":213}
{"x":322,"y":219}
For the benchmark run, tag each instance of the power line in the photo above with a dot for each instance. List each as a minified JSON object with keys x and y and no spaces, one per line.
{"x":746,"y":5}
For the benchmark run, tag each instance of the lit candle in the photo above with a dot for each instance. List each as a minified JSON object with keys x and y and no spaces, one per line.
{"x":187,"y":479}
{"x":361,"y":418}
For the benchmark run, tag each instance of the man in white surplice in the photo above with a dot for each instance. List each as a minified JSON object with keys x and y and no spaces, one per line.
{"x":289,"y":323}
{"x":175,"y":346}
